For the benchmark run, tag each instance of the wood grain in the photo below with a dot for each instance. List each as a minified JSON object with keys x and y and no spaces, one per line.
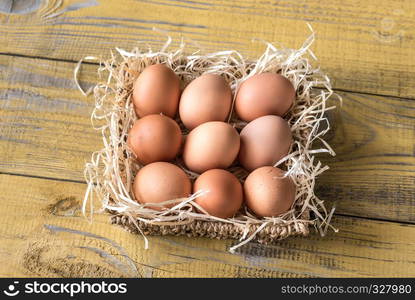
{"x":374,"y":170}
{"x":45,"y":131}
{"x":43,"y":234}
{"x":45,"y":127}
{"x":364,"y":46}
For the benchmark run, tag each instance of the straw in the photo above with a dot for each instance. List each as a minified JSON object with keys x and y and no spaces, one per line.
{"x":112,"y":169}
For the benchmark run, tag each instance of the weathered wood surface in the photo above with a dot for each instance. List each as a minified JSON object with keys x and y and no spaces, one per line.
{"x":373,"y":174}
{"x":365,"y":46}
{"x":46,"y":131}
{"x":43,"y":234}
{"x":46,"y":136}
{"x":44,"y":120}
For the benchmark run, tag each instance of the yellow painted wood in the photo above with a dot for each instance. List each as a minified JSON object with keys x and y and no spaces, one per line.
{"x":46,"y":131}
{"x":44,"y":119}
{"x":374,"y":170}
{"x":365,"y":46}
{"x":42,"y":233}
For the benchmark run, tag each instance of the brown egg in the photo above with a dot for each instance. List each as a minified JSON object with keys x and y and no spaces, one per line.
{"x":159,"y":182}
{"x":224,"y":197}
{"x":156,"y":90}
{"x":264,"y":94}
{"x":207,"y":98}
{"x":211,"y":145}
{"x":264,"y":141}
{"x":267,"y":193}
{"x":155,"y":138}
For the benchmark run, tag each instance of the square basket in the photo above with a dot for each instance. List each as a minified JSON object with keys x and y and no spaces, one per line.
{"x":111,"y":171}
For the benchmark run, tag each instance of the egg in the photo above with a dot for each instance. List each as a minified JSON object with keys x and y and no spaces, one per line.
{"x":159,"y":182}
{"x":224,"y":193}
{"x":156,"y":90}
{"x":268,"y":193}
{"x":264,"y":94}
{"x":207,"y":98}
{"x":211,"y":145}
{"x":155,"y":138}
{"x":264,"y":141}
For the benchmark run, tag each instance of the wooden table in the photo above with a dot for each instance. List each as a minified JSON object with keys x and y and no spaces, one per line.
{"x":366,"y":47}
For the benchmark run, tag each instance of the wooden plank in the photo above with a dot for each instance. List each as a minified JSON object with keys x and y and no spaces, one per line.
{"x":42,"y":233}
{"x":366,"y":46}
{"x":45,"y":131}
{"x":374,"y":170}
{"x":45,"y":127}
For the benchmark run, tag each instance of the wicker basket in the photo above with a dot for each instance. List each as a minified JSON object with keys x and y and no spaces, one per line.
{"x":112,"y":169}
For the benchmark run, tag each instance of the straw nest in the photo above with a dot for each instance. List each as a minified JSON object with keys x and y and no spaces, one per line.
{"x":111,"y":171}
